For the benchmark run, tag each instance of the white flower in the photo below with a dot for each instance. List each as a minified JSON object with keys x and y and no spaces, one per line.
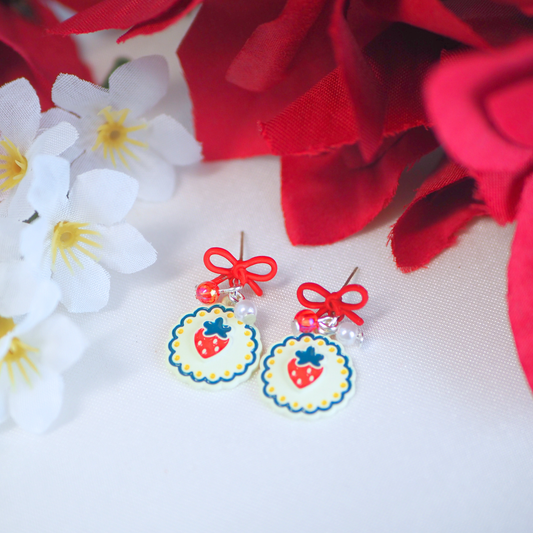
{"x":20,"y":116}
{"x":75,"y":235}
{"x":114,"y":130}
{"x":33,"y":354}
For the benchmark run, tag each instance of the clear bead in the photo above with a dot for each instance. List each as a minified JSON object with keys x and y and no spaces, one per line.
{"x":226,"y":301}
{"x":246,"y":311}
{"x":295,"y":327}
{"x":349,"y":334}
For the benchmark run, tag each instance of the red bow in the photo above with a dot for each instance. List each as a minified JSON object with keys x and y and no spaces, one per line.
{"x":333,"y":304}
{"x":238,"y":271}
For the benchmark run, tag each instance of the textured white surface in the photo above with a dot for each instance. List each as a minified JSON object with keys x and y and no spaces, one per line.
{"x":438,"y":437}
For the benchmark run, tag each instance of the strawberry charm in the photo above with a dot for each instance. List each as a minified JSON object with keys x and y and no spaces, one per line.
{"x":305,"y":368}
{"x":212,"y":338}
{"x":218,"y":346}
{"x":309,"y":375}
{"x":212,"y":349}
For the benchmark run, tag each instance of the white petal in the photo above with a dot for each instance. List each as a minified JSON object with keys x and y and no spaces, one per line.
{"x":50,"y":184}
{"x":102,"y":196}
{"x":125,"y":250}
{"x":42,"y":306}
{"x":18,"y":284}
{"x":60,"y":342}
{"x":156,"y":177}
{"x":53,"y":141}
{"x":18,"y":206}
{"x":79,"y":96}
{"x":35,"y":407}
{"x":11,"y":234}
{"x":83,"y":290}
{"x":87,"y":161}
{"x":54,"y":116}
{"x":3,"y":405}
{"x":170,"y":139}
{"x":139,"y":84}
{"x":20,"y":113}
{"x":32,"y":242}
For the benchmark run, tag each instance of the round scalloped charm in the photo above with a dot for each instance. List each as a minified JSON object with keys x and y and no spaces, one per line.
{"x":212,"y":349}
{"x":307,"y":376}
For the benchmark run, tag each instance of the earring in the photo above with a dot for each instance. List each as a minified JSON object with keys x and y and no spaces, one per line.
{"x":308,"y":374}
{"x":218,"y":347}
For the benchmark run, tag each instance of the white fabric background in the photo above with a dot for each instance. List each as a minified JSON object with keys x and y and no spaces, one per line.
{"x":438,"y":437}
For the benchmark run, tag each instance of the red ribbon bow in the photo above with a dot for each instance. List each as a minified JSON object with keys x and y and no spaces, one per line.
{"x":238,"y":271}
{"x":333,"y":304}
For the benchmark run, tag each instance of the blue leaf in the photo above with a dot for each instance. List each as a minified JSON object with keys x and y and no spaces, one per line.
{"x":217,"y":328}
{"x":309,"y":357}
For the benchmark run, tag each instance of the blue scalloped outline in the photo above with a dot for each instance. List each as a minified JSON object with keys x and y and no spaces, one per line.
{"x":287,"y":404}
{"x":190,"y":374}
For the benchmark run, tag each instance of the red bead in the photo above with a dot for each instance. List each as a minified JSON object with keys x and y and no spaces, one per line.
{"x":207,"y":292}
{"x":307,"y":320}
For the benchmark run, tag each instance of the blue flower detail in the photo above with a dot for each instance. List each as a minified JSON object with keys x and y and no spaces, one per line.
{"x":309,"y":357}
{"x":217,"y":328}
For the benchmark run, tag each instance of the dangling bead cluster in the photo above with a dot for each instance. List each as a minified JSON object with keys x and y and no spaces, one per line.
{"x":209,"y":292}
{"x":307,"y":321}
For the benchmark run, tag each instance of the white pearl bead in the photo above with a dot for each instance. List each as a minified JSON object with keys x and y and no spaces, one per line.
{"x":349,"y":334}
{"x":246,"y":311}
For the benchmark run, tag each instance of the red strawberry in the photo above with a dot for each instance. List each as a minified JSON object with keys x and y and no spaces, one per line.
{"x":305,"y":368}
{"x":212,"y":338}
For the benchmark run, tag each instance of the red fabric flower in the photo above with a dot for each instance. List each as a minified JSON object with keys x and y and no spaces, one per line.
{"x":28,"y":51}
{"x":482,"y":111}
{"x":336,"y":86}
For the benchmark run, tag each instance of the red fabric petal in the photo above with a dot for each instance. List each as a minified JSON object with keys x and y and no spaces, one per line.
{"x":78,"y":5}
{"x":36,"y":55}
{"x":267,"y":54}
{"x":328,"y":197}
{"x":430,"y":15}
{"x":324,"y":117}
{"x":366,"y":93}
{"x":226,"y":116}
{"x":111,"y":14}
{"x":442,"y":206}
{"x":465,"y":98}
{"x":497,"y":24}
{"x":159,"y":23}
{"x":320,"y":120}
{"x":520,"y":286}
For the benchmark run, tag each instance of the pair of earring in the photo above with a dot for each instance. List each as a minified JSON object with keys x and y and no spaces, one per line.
{"x":307,"y":375}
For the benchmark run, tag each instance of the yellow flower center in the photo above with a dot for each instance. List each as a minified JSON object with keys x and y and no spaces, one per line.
{"x":67,"y":238}
{"x":17,"y":354}
{"x":14,"y":165}
{"x":113,"y":135}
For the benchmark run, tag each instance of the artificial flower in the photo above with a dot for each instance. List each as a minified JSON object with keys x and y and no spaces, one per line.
{"x":336,"y":86}
{"x":78,"y":236}
{"x":34,"y":351}
{"x":137,"y":16}
{"x":115,"y":132}
{"x":20,"y":122}
{"x":28,"y":51}
{"x":481,"y":108}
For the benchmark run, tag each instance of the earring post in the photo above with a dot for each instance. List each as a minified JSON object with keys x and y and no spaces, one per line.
{"x":242,"y":246}
{"x":351,"y":276}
